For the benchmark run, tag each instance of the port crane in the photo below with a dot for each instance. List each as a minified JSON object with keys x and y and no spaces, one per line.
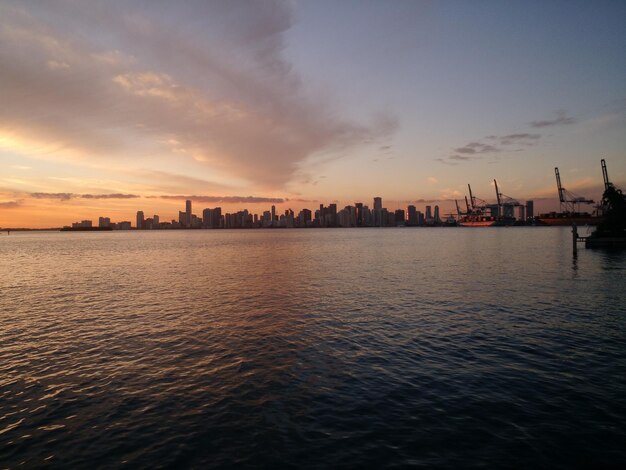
{"x":570,"y":202}
{"x":506,"y":204}
{"x":612,"y":196}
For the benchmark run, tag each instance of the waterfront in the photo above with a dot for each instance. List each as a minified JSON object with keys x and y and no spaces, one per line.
{"x":441,"y":347}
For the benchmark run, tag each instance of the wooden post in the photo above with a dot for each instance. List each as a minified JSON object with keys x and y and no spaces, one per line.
{"x":574,"y":239}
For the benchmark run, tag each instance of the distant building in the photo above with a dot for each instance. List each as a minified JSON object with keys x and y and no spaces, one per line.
{"x":304,"y":218}
{"x":378,"y":209}
{"x":399,"y":217}
{"x":411,"y":216}
{"x":428,"y":217}
{"x":359,"y":213}
{"x":104,"y":222}
{"x":437,"y":218}
{"x":530,"y":209}
{"x":140,"y":220}
{"x":82,"y":224}
{"x":188,"y":213}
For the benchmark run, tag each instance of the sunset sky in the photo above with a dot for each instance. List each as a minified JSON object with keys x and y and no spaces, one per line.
{"x":108,"y":107}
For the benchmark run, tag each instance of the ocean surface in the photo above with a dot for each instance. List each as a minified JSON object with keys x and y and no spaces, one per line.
{"x":321,"y":348}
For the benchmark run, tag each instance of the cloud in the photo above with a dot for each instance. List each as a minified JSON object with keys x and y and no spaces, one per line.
{"x":474,"y":148}
{"x":560,"y":120}
{"x":59,"y":196}
{"x":109,"y":196}
{"x":10,"y":204}
{"x":477,"y":149}
{"x":68,"y":196}
{"x":519,"y":139}
{"x":228,"y":199}
{"x":95,"y":82}
{"x":445,"y":162}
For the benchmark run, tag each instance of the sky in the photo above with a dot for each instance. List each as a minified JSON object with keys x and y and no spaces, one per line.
{"x":109,"y":107}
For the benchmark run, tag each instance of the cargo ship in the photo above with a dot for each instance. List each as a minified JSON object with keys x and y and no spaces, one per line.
{"x":476,"y":220}
{"x":481,"y":214}
{"x":568,"y":218}
{"x":570,"y":209}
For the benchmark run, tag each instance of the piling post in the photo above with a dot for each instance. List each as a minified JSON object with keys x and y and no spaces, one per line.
{"x":574,"y":239}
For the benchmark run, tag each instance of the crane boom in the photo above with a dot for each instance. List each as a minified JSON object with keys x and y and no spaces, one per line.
{"x":558,"y":185}
{"x":471,"y":195}
{"x":605,"y":175}
{"x":467,"y":205}
{"x":458,"y":210}
{"x":497,"y":193}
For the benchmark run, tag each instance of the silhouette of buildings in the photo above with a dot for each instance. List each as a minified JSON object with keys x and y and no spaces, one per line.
{"x":357,"y":215}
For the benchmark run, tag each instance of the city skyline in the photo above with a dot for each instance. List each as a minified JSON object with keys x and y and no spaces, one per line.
{"x":112,"y":106}
{"x":357,"y":215}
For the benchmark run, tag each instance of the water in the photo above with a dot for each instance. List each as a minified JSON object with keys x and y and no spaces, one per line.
{"x":311,"y":349}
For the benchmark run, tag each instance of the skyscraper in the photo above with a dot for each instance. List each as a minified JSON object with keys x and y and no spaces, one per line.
{"x":411,"y":216}
{"x":188,"y":213}
{"x":378,"y":212}
{"x":140,"y":220}
{"x":530,"y":209}
{"x":437,"y":219}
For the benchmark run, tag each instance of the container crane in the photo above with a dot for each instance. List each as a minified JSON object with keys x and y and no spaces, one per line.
{"x":570,"y":202}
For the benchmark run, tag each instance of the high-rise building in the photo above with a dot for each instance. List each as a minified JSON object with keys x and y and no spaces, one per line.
{"x":155,"y":221}
{"x":104,"y":222}
{"x":411,"y":216}
{"x":530,"y":209}
{"x":399,"y":217}
{"x":140,"y":220}
{"x":378,"y":212}
{"x":437,"y":218}
{"x":188,"y":213}
{"x":359,"y":213}
{"x":273,"y":215}
{"x":429,"y":215}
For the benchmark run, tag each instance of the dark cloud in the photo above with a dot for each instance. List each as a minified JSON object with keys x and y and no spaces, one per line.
{"x":474,"y":148}
{"x":301,"y":200}
{"x":10,"y":204}
{"x":109,"y":196}
{"x":228,"y":199}
{"x":477,"y":149}
{"x":60,"y":196}
{"x":445,"y":162}
{"x":68,"y":196}
{"x":561,"y":120}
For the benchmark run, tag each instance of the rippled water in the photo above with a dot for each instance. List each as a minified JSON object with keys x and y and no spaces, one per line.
{"x":311,"y":349}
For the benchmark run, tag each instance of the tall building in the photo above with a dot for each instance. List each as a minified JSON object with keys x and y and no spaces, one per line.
{"x":437,"y":218}
{"x":399,"y":218}
{"x":411,"y":216}
{"x":188,"y":213}
{"x":104,"y":222}
{"x":530,"y":209}
{"x":273,"y":215}
{"x":429,"y":214}
{"x":378,"y":212}
{"x":140,"y":220}
{"x":359,"y":213}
